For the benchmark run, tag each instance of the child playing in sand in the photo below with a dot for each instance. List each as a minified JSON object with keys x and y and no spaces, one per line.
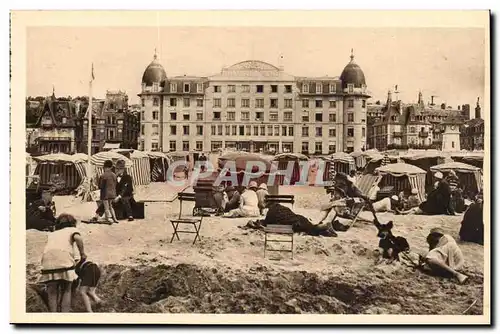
{"x":58,"y":262}
{"x":88,"y":276}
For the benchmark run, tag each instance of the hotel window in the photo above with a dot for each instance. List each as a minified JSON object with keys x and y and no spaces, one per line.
{"x":217,"y":103}
{"x":287,"y":116}
{"x":274,"y":88}
{"x":142,"y":116}
{"x":234,"y":130}
{"x":228,"y":130}
{"x":199,"y":146}
{"x":142,"y":102}
{"x":173,"y":130}
{"x":332,"y":118}
{"x":412,"y":129}
{"x":199,"y":88}
{"x":305,"y":118}
{"x":155,"y":130}
{"x":319,"y":104}
{"x":269,"y":130}
{"x":319,"y":88}
{"x":173,"y":88}
{"x":350,"y":103}
{"x":231,"y":88}
{"x":318,"y":147}
{"x":216,"y":116}
{"x":363,"y":132}
{"x":260,"y":88}
{"x":186,"y":102}
{"x":245,"y":88}
{"x":245,"y":103}
{"x":155,"y":115}
{"x":333,"y":104}
{"x":274,"y":103}
{"x":142,"y":129}
{"x":259,"y":116}
{"x":350,"y":132}
{"x":154,"y":146}
{"x":216,"y":89}
{"x":186,"y":88}
{"x":290,"y":131}
{"x":262,"y":130}
{"x":283,"y":130}
{"x":248,"y":130}
{"x":259,"y":103}
{"x":231,"y":115}
{"x":185,"y":130}
{"x":255,"y":130}
{"x":185,"y":146}
{"x":173,"y":145}
{"x":305,"y":88}
{"x":331,"y":148}
{"x":305,"y":103}
{"x":219,"y":130}
{"x":277,"y":130}
{"x":319,"y":131}
{"x":199,"y":130}
{"x":319,"y":117}
{"x":332,"y":88}
{"x":288,"y":103}
{"x":332,"y":132}
{"x":212,"y":130}
{"x":363,"y":103}
{"x":288,"y":88}
{"x":350,"y":117}
{"x":173,"y":102}
{"x":241,"y":130}
{"x":231,"y":102}
{"x":350,"y":88}
{"x":305,"y":131}
{"x":155,"y":101}
{"x":199,"y":116}
{"x":305,"y":146}
{"x":199,"y":102}
{"x":273,"y":117}
{"x":245,"y":116}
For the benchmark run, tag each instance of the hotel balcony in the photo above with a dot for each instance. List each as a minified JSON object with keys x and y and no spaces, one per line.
{"x":397,"y":134}
{"x":423,"y":134}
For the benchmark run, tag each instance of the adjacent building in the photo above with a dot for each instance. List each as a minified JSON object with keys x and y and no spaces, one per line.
{"x":253,"y":106}
{"x":472,"y":132}
{"x":415,"y":125}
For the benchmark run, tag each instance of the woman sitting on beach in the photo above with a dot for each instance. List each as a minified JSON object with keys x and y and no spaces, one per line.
{"x":444,"y":257}
{"x":249,"y":203}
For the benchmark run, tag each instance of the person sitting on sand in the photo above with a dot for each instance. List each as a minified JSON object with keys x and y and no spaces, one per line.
{"x":261,"y":195}
{"x":352,"y":177}
{"x":233,"y":197}
{"x":472,"y":227}
{"x":388,"y":204}
{"x":444,"y":257}
{"x":249,"y":203}
{"x":413,"y":200}
{"x":40,"y":214}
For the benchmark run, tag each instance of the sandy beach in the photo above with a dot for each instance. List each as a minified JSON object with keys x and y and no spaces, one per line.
{"x":226,"y":271}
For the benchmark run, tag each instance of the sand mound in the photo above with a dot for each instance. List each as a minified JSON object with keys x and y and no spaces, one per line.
{"x":192,"y":289}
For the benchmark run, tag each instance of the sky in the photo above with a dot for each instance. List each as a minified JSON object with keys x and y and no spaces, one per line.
{"x":446,"y":62}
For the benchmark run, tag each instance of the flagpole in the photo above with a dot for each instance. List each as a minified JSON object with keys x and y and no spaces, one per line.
{"x":89,"y":136}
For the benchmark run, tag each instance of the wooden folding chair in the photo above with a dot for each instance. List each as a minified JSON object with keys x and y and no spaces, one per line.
{"x":281,"y":230}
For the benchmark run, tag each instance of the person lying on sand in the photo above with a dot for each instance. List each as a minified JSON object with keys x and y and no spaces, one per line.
{"x":444,"y":257}
{"x":386,"y":204}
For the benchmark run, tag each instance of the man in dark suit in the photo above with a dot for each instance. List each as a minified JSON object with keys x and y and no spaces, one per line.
{"x":124,"y":189}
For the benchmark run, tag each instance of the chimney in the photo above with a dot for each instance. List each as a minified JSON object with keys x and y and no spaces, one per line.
{"x":458,"y":107}
{"x":478,"y":109}
{"x":443,"y":106}
{"x":420,"y":99}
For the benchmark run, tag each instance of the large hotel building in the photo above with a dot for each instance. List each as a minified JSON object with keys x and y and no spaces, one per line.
{"x":254,"y":106}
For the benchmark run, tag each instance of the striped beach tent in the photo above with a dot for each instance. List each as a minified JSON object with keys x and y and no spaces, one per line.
{"x":98,"y":159}
{"x":158,"y":163}
{"x":402,"y":177}
{"x":66,"y":171}
{"x":343,"y":162}
{"x":141,"y":170}
{"x":470,"y":176}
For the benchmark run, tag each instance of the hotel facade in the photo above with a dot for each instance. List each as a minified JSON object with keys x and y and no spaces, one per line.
{"x":253,"y":106}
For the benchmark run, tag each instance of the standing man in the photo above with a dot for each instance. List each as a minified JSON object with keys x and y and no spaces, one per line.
{"x":124,"y":189}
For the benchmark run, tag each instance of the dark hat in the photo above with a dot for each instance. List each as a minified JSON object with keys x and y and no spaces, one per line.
{"x":120,"y":164}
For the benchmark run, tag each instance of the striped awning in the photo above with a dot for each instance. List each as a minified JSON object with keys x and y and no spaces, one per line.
{"x":98,"y":159}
